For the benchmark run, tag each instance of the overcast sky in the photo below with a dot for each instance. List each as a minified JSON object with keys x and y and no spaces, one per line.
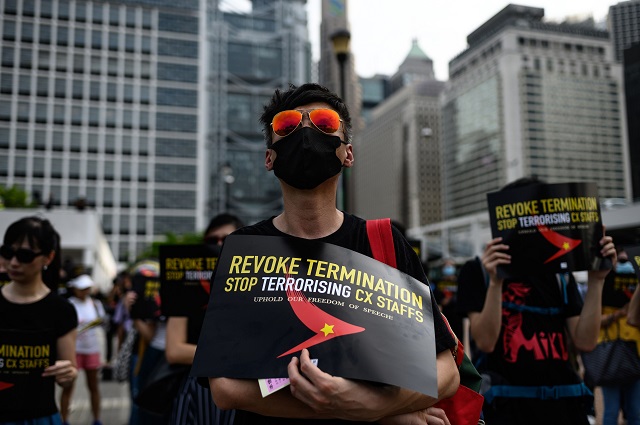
{"x":382,"y":30}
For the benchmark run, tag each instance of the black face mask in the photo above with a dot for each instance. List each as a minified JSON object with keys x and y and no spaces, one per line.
{"x":306,"y":158}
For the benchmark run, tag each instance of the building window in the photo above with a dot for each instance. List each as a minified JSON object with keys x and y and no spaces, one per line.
{"x":177,"y":48}
{"x":46,"y":8}
{"x":114,"y":39}
{"x":7,"y":56}
{"x":79,"y":37}
{"x":44,"y":60}
{"x":63,"y":36}
{"x":9,"y":30}
{"x":45,"y":34}
{"x":97,"y":13}
{"x":81,"y":12}
{"x":26,"y":58}
{"x":96,"y":39}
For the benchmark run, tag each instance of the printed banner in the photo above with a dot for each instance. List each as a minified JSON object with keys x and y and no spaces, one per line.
{"x":23,"y":357}
{"x":147,"y":305}
{"x":618,"y":289}
{"x":633,"y":252}
{"x":361,"y":319}
{"x":552,"y":227}
{"x":185,"y":277}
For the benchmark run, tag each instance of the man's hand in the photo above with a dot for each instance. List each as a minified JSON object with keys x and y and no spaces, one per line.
{"x":329,"y":395}
{"x":430,"y":416}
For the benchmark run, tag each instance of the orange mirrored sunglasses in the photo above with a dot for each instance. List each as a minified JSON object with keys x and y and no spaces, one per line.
{"x":286,"y":122}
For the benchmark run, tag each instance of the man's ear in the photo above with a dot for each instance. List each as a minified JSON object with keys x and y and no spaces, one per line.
{"x":270,"y":157}
{"x":348,"y":161}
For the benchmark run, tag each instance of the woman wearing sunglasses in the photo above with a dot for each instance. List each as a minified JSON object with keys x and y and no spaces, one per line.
{"x":307,"y":130}
{"x":37,"y":327}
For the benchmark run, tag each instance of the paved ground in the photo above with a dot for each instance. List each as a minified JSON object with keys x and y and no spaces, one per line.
{"x":115,"y":403}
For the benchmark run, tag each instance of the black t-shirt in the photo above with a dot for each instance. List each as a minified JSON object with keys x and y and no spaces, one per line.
{"x":532,"y":348}
{"x":351,"y":235}
{"x":51,"y":315}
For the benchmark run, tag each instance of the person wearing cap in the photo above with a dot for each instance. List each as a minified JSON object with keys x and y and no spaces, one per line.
{"x":91,"y":313}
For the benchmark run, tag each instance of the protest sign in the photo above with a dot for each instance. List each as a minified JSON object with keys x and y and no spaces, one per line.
{"x":23,"y":357}
{"x":185,"y":274}
{"x":146,"y":284}
{"x":274,"y":296}
{"x":633,"y":252}
{"x":548,"y":227}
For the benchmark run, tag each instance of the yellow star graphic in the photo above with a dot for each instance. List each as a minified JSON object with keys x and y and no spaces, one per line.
{"x":328,"y":329}
{"x":566,"y":246}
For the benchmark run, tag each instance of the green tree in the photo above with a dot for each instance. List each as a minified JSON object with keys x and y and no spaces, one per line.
{"x":153,"y":251}
{"x":15,"y":197}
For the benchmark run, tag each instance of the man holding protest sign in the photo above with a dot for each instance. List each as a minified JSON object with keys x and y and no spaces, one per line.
{"x":307,"y":131}
{"x":523,"y":302}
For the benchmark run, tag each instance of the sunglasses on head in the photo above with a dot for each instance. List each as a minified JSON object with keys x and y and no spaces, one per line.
{"x":286,"y":122}
{"x":22,"y":254}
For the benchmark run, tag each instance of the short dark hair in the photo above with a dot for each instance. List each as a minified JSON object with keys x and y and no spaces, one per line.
{"x":523,"y":182}
{"x":302,"y":95}
{"x":40,"y":234}
{"x":222,"y":220}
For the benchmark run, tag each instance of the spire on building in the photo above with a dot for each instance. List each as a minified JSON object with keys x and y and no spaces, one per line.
{"x":416,"y":51}
{"x":417,"y":66}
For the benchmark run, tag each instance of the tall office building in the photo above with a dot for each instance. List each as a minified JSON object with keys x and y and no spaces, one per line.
{"x":624,"y":25}
{"x":145,"y":109}
{"x":340,"y":77}
{"x":632,"y":97}
{"x":98,"y":101}
{"x":399,"y":153}
{"x":335,"y":18}
{"x":529,"y":97}
{"x":250,"y":55}
{"x":374,"y":91}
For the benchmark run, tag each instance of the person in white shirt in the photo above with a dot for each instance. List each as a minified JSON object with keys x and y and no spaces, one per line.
{"x":88,"y":356}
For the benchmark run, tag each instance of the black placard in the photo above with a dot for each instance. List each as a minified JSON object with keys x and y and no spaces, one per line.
{"x":185,"y":277}
{"x":550,"y":227}
{"x":360,"y":318}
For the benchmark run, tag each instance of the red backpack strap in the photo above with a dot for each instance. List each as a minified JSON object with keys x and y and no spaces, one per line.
{"x":381,"y":241}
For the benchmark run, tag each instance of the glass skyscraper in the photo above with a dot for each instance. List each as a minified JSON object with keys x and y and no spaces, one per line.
{"x":251,"y":54}
{"x":146,"y":110}
{"x":532,"y":98}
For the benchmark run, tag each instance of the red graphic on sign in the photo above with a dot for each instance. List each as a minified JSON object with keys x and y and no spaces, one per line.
{"x":565,"y":244}
{"x":322,"y":323}
{"x":5,"y":385}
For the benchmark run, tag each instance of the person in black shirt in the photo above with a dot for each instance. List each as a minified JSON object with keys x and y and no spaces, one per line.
{"x":36,"y":324}
{"x":523,"y":325}
{"x":307,"y":129}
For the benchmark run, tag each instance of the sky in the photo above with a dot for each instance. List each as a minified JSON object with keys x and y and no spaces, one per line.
{"x":382,"y":31}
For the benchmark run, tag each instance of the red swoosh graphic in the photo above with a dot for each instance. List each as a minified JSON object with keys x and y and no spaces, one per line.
{"x":206,"y":285}
{"x":565,"y":244}
{"x":317,"y":321}
{"x":5,"y":385}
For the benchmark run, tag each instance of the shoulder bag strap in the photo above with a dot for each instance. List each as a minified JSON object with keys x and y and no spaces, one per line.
{"x":381,"y":241}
